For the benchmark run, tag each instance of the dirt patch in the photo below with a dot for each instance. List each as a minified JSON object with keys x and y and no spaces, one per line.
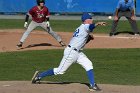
{"x":27,"y":87}
{"x":40,"y":40}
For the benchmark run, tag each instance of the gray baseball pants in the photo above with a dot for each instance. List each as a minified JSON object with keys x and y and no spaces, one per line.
{"x":33,"y":25}
{"x":128,"y":15}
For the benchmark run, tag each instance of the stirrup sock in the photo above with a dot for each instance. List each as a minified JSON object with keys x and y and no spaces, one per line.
{"x":90,"y":75}
{"x":46,"y":73}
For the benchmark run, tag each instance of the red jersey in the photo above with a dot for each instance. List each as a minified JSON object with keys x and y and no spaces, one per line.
{"x":38,"y":15}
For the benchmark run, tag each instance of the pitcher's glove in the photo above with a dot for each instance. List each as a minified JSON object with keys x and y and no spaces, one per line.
{"x":90,"y":38}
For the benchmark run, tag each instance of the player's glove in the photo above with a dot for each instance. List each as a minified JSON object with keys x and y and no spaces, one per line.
{"x":26,"y":24}
{"x":90,"y":38}
{"x":48,"y":24}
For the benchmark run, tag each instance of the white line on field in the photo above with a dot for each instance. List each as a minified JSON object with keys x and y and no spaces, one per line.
{"x":123,"y":37}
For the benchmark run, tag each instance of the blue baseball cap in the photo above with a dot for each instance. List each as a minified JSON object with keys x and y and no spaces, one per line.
{"x":86,"y":16}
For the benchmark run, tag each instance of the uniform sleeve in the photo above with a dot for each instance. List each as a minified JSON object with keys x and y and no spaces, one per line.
{"x":31,"y":12}
{"x":118,"y":5}
{"x":132,"y":5}
{"x":47,"y":12}
{"x":89,"y":27}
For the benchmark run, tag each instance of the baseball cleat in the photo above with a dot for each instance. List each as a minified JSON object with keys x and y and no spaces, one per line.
{"x":94,"y":88}
{"x":19,"y":45}
{"x":111,"y":34}
{"x":62,"y":44}
{"x":137,"y":34}
{"x":35,"y":78}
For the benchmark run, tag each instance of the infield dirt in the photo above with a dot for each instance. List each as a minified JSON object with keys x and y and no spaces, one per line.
{"x":40,"y":40}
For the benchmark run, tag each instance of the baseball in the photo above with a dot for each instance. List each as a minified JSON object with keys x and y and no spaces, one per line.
{"x":109,"y":17}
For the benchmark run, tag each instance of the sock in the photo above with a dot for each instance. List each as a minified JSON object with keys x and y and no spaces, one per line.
{"x":90,"y":75}
{"x":46,"y":73}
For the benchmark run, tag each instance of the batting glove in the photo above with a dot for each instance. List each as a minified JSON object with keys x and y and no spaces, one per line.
{"x":48,"y":24}
{"x":25,"y":24}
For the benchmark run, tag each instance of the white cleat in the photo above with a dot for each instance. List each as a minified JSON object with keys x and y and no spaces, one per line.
{"x":35,"y":78}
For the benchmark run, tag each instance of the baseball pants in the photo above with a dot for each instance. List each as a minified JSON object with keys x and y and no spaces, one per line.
{"x":33,"y":25}
{"x":128,"y":15}
{"x":71,"y":56}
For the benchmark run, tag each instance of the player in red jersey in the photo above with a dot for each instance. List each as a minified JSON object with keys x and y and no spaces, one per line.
{"x":40,"y":17}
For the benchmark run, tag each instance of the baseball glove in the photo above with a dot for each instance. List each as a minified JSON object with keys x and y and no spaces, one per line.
{"x":90,"y":38}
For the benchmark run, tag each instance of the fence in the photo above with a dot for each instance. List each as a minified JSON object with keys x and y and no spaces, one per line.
{"x":100,"y":6}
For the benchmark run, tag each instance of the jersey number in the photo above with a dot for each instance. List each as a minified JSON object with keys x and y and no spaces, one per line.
{"x":76,"y":33}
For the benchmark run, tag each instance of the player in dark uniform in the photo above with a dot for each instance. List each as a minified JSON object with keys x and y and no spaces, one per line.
{"x":40,"y":17}
{"x":125,"y":8}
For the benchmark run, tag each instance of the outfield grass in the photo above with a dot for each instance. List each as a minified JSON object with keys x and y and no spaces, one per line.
{"x":111,"y":66}
{"x":66,"y":25}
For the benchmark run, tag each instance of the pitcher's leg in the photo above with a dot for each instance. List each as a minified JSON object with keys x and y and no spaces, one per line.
{"x":90,"y":75}
{"x":87,"y":65}
{"x":55,"y":71}
{"x":49,"y":72}
{"x":65,"y":63}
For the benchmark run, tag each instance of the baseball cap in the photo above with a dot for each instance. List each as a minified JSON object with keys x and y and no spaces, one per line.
{"x":86,"y":16}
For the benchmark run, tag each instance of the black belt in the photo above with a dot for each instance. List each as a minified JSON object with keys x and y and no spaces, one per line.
{"x":73,"y":48}
{"x":128,"y":10}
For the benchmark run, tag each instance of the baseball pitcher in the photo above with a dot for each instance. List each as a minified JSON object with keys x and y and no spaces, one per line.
{"x":73,"y":53}
{"x":40,"y":17}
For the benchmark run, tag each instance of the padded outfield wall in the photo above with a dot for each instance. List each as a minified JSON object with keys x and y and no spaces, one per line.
{"x":103,"y":6}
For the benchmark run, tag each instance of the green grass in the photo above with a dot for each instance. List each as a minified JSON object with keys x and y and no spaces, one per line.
{"x":111,"y":66}
{"x":65,"y":25}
